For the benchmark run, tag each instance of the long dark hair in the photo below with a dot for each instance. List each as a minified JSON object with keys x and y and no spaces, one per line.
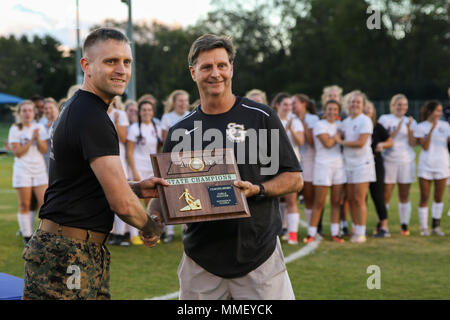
{"x":139,"y":137}
{"x":428,"y":108}
{"x":310,"y":104}
{"x":278,"y":98}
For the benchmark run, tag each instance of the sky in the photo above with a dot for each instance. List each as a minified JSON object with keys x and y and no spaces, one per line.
{"x":58,"y":18}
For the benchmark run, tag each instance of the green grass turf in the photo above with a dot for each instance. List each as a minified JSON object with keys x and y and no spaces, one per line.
{"x":411,"y":267}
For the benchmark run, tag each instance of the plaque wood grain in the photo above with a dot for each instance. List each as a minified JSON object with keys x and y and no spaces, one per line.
{"x":176,"y":166}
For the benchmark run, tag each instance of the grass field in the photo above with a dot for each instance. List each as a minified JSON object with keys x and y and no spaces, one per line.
{"x":411,"y":267}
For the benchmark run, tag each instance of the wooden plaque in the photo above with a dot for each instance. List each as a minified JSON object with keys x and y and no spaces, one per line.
{"x":200,"y":186}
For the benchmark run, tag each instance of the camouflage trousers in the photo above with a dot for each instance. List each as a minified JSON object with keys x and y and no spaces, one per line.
{"x":57,"y":267}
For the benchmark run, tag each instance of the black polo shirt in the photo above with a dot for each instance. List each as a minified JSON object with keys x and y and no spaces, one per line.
{"x":232,"y":248}
{"x":74,"y":196}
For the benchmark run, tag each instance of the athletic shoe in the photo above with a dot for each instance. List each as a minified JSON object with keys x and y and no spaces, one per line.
{"x":26,"y":239}
{"x":123,"y":241}
{"x":293,"y":238}
{"x":405,"y":233}
{"x":113,"y":239}
{"x":437,"y":231}
{"x":136,"y":241}
{"x":284,"y":234}
{"x":345,"y":233}
{"x":358,"y":239}
{"x":382,"y":233}
{"x":424,"y":232}
{"x":337,"y":239}
{"x":308,"y":239}
{"x":168,"y":238}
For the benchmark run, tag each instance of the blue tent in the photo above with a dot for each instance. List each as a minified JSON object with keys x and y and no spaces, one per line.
{"x":9,"y":99}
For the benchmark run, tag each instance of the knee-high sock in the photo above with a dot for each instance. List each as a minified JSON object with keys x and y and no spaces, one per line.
{"x":170,"y":230}
{"x":334,"y":228}
{"x":308,"y":214}
{"x":293,"y":220}
{"x":404,"y":210}
{"x":133,"y":232}
{"x":32,"y":219}
{"x":423,"y":217}
{"x":120,"y":225}
{"x":24,"y":224}
{"x":436,"y":210}
{"x":283,"y":213}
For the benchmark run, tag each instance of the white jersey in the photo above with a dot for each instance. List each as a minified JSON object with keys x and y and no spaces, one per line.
{"x":306,"y":150}
{"x":297,"y":126}
{"x":123,"y":121}
{"x":436,"y":158}
{"x":146,"y":146}
{"x":327,"y":156}
{"x":401,"y":151}
{"x":32,"y":161}
{"x":169,"y":119}
{"x":351,"y":130}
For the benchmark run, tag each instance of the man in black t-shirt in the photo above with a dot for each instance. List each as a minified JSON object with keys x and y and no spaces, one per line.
{"x":236,"y":258}
{"x":66,"y":258}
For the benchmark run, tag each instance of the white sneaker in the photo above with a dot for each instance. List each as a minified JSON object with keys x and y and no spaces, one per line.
{"x":424,"y":232}
{"x":437,"y":231}
{"x":358,"y":239}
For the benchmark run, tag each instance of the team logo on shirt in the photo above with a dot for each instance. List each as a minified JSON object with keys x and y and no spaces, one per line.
{"x":236,"y":132}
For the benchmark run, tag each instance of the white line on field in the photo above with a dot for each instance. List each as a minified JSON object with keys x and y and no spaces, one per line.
{"x":304,"y":251}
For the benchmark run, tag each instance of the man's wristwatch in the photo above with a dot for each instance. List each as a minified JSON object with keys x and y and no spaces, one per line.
{"x":261,"y":193}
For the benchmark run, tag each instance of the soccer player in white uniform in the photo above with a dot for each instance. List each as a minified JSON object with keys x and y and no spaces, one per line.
{"x":282,"y":103}
{"x":176,"y":108}
{"x":328,"y":170}
{"x":433,"y":135}
{"x":143,"y":139}
{"x":359,"y":162}
{"x":304,"y":109}
{"x":121,"y":123}
{"x":28,"y":141}
{"x":399,"y":161}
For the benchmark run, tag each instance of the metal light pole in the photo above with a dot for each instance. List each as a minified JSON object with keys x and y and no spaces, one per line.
{"x":131,"y":90}
{"x":79,"y":75}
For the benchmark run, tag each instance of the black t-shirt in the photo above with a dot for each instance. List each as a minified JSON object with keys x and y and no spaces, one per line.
{"x":75,"y":197}
{"x":380,"y":134}
{"x":232,"y":248}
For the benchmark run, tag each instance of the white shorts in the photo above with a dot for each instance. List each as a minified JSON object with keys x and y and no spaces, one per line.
{"x":25,"y":179}
{"x":328,"y":176}
{"x":397,"y":172}
{"x":270,"y":281}
{"x":432,"y":175}
{"x":361,"y":174}
{"x":308,"y":169}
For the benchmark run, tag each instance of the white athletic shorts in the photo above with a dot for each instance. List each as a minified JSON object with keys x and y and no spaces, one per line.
{"x":328,"y":176}
{"x":308,"y":169}
{"x":23,"y":179}
{"x":361,"y":174}
{"x":432,"y":175}
{"x":398,"y":172}
{"x":270,"y":281}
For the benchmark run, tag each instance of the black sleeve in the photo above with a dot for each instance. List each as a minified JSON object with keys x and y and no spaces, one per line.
{"x":98,"y":137}
{"x":288,"y":160}
{"x":383,"y":133}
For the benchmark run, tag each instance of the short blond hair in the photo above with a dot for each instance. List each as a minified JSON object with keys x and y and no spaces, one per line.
{"x":394,"y":101}
{"x":257,"y":92}
{"x":169,"y":103}
{"x":327,"y":89}
{"x":72,"y":90}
